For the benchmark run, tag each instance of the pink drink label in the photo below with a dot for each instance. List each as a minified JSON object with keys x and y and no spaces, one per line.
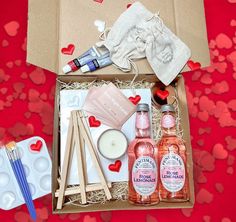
{"x":172,"y":172}
{"x":142,"y":120}
{"x":144,"y":175}
{"x":168,"y":121}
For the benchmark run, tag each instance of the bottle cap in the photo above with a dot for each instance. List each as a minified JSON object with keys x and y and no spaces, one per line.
{"x":143,"y":107}
{"x":66,"y":69}
{"x":85,"y":68}
{"x":167,"y":108}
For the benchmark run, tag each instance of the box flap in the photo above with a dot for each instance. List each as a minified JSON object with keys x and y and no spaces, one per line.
{"x":42,"y":36}
{"x":75,"y":21}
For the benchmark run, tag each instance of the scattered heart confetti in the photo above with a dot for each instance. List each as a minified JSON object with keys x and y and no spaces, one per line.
{"x":204,"y":196}
{"x":115,"y":167}
{"x":221,"y":87}
{"x":69,"y":50}
{"x":162,"y":94}
{"x":231,"y":143}
{"x":93,"y":122}
{"x":193,"y":65}
{"x":219,"y":187}
{"x":150,"y":218}
{"x":201,"y":178}
{"x":11,"y":28}
{"x":88,"y":218}
{"x":230,"y":170}
{"x":196,"y":75}
{"x":5,"y":43}
{"x":106,"y":216}
{"x":36,"y":146}
{"x":135,"y":100}
{"x":226,"y":219}
{"x":206,"y":218}
{"x":232,"y":104}
{"x":42,"y":213}
{"x":3,"y":90}
{"x":38,"y":76}
{"x":206,"y":79}
{"x":223,"y":41}
{"x":74,"y":216}
{"x":233,"y":22}
{"x":203,"y":116}
{"x":187,"y":212}
{"x":10,"y":65}
{"x":231,"y":160}
{"x":219,"y":152}
{"x":101,"y":25}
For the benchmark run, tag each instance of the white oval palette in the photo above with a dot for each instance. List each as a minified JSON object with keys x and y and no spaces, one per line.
{"x":37,"y":164}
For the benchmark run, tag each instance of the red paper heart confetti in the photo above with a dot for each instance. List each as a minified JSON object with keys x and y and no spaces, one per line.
{"x":69,"y":50}
{"x":187,"y":212}
{"x":204,"y":196}
{"x":230,"y":170}
{"x":150,"y":218}
{"x":231,"y":143}
{"x":206,"y":79}
{"x":223,"y":41}
{"x":115,"y":167}
{"x":230,"y":160}
{"x":162,"y":94}
{"x":11,"y":28}
{"x":88,"y":218}
{"x":38,"y":76}
{"x":106,"y":216}
{"x":193,"y":65}
{"x":5,"y":43}
{"x":219,"y":187}
{"x":93,"y":122}
{"x":36,"y":146}
{"x":203,"y":116}
{"x":233,"y":22}
{"x":196,"y":75}
{"x":226,"y":219}
{"x":232,"y":104}
{"x":206,"y":218}
{"x":219,"y":152}
{"x":135,"y":100}
{"x":221,"y":87}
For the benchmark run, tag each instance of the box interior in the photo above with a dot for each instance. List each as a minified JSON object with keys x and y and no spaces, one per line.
{"x":120,"y":205}
{"x":53,"y":24}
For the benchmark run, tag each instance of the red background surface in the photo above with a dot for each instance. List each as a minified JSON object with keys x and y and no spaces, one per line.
{"x":26,"y":109}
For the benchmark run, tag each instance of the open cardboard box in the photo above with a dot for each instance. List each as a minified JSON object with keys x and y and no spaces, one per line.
{"x":53,"y":24}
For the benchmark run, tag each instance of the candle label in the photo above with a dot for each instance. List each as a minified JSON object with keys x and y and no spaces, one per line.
{"x":144,"y":175}
{"x":172,"y":172}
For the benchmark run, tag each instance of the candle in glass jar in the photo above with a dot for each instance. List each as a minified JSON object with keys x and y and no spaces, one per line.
{"x":112,"y":144}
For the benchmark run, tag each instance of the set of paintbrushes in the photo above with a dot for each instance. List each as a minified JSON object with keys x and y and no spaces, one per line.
{"x":18,"y":169}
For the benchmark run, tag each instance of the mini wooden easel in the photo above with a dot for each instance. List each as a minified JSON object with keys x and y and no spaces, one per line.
{"x":79,"y":135}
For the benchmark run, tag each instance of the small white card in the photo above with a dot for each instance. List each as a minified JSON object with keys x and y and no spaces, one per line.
{"x":74,"y":100}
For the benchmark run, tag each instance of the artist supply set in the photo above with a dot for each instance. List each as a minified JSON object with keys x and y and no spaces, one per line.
{"x":121,"y":141}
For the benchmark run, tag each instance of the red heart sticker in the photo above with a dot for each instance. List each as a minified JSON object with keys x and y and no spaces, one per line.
{"x":93,"y":122}
{"x":135,"y":100}
{"x":115,"y":167}
{"x":128,"y":5}
{"x":163,"y":94}
{"x":37,"y":146}
{"x":68,"y":50}
{"x":99,"y":1}
{"x":193,"y":65}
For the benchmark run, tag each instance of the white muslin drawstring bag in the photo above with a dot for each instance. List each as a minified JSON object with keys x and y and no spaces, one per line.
{"x":137,"y":34}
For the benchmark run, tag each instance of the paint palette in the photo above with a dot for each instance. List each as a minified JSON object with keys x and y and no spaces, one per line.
{"x":37,"y":165}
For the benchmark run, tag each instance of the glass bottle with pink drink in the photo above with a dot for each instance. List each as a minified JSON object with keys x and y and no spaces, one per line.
{"x":143,"y":171}
{"x":173,"y":185}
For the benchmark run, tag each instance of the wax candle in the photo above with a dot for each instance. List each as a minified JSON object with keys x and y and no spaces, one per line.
{"x":112,"y":144}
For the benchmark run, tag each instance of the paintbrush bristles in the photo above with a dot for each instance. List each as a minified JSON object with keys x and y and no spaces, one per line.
{"x":12,"y":151}
{"x":11,"y":145}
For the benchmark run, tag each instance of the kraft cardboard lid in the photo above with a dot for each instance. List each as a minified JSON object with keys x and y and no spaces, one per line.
{"x":54,"y":24}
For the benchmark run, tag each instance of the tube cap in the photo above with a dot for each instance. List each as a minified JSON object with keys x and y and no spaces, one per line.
{"x":143,"y":107}
{"x":167,"y":108}
{"x":85,"y":68}
{"x":66,"y":69}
